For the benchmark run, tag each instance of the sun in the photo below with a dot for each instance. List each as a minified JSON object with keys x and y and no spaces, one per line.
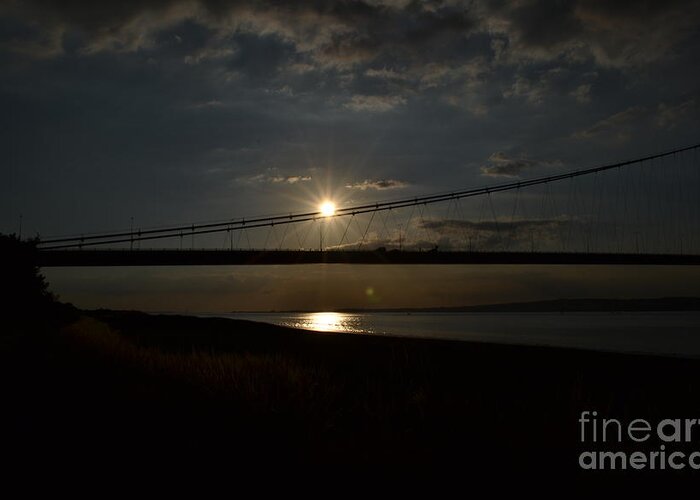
{"x":327,"y":208}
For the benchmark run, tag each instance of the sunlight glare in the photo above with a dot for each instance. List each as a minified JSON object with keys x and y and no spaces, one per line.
{"x":327,"y":208}
{"x":326,"y":322}
{"x":332,"y":322}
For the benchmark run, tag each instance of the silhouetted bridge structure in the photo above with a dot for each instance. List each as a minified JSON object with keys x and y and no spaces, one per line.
{"x":644,"y":211}
{"x":79,"y":258}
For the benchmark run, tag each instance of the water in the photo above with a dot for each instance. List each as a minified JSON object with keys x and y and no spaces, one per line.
{"x":668,"y":333}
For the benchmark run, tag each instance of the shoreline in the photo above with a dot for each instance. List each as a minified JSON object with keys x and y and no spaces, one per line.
{"x":172,"y":388}
{"x":494,"y":337}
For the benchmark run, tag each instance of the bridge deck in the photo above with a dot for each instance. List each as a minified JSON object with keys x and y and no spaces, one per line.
{"x":78,"y":258}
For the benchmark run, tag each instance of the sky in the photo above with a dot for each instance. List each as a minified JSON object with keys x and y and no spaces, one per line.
{"x":181,"y":111}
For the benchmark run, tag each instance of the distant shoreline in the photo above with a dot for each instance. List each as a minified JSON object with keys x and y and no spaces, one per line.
{"x":664,"y":304}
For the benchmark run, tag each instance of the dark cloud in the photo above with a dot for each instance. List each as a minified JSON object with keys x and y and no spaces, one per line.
{"x":500,"y":235}
{"x":207,"y":104}
{"x":617,"y":126}
{"x":540,"y":24}
{"x":337,"y":33}
{"x":627,"y":33}
{"x":582,"y":93}
{"x":290,"y":179}
{"x":379,"y":185}
{"x":452,"y":225}
{"x":374,"y":103}
{"x":501,"y":164}
{"x":463,"y":234}
{"x":671,"y":115}
{"x":464,"y":48}
{"x":276,"y":179}
{"x":345,"y":33}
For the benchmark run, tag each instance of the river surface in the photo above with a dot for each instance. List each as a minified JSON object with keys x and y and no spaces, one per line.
{"x":669,"y":333}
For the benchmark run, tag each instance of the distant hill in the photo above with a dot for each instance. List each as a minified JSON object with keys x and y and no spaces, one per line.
{"x":565,"y":305}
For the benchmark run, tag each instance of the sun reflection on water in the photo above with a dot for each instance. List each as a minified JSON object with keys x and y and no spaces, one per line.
{"x":330,"y":322}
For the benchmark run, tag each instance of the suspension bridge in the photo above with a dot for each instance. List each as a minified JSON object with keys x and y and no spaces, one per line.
{"x":643,"y":211}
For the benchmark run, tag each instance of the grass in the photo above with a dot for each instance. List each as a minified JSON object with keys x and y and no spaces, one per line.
{"x":125,"y":387}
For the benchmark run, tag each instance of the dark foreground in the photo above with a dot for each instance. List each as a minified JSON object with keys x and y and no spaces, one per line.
{"x":106,"y":389}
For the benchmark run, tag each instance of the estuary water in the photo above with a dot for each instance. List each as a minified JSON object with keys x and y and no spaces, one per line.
{"x":667,"y":333}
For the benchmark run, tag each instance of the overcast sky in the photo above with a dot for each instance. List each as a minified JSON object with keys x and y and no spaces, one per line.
{"x":178,"y":111}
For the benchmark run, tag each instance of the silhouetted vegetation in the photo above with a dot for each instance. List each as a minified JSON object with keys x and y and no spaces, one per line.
{"x":24,"y":287}
{"x":25,"y":292}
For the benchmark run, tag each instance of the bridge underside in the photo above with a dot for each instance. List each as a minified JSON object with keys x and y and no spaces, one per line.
{"x":79,"y":258}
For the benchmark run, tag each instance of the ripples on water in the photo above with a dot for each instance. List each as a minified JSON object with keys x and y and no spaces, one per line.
{"x":328,"y":322}
{"x":675,"y":333}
